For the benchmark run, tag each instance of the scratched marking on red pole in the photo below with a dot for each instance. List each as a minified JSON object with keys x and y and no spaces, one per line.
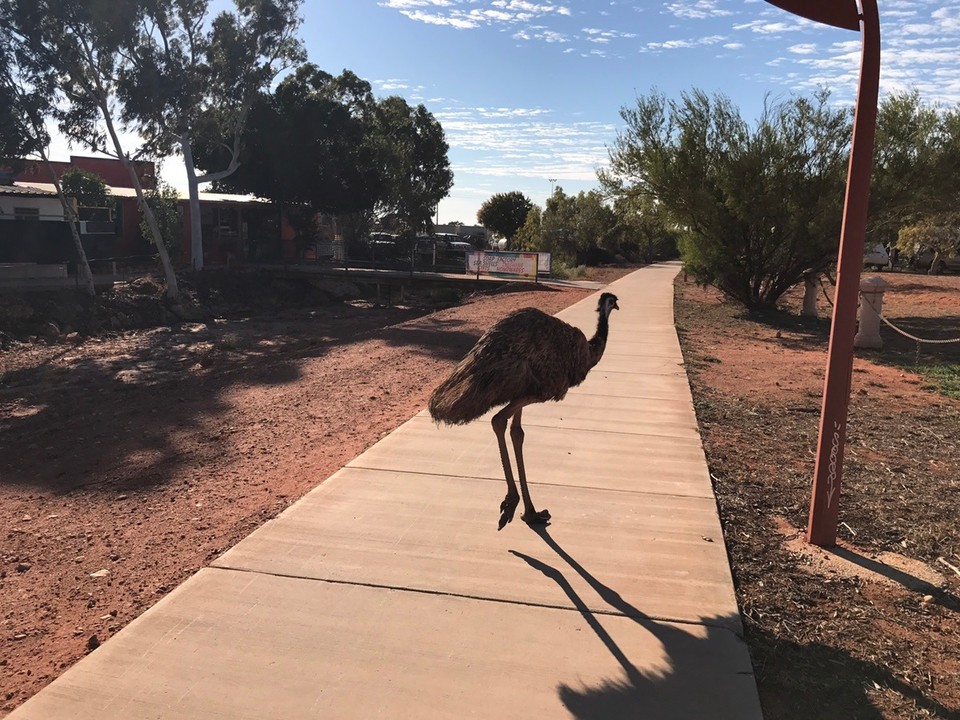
{"x":832,"y":468}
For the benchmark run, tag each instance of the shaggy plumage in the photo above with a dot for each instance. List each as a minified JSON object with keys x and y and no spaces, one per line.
{"x":527,"y":357}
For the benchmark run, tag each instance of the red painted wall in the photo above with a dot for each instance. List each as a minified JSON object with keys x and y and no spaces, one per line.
{"x":111,"y":170}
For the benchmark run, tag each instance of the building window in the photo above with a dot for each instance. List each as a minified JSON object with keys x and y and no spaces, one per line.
{"x":21,"y":213}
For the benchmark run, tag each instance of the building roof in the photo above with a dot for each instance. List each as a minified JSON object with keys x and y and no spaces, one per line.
{"x":26,"y":191}
{"x":46,"y":188}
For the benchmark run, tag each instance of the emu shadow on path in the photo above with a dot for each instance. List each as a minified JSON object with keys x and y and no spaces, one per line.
{"x":527,"y":357}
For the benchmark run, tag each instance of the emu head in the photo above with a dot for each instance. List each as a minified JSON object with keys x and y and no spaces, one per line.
{"x":607,"y":304}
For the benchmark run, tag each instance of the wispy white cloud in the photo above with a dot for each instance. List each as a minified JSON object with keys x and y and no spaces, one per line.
{"x":472,"y":14}
{"x":596,"y":35}
{"x":766,"y":27}
{"x":697,"y":10}
{"x":391,"y":84}
{"x":540,"y":32}
{"x":921,"y":47}
{"x":523,"y":142}
{"x":681,"y":44}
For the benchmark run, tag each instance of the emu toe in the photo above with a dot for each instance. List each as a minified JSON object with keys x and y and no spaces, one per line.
{"x":536,"y":518}
{"x":507,"y":508}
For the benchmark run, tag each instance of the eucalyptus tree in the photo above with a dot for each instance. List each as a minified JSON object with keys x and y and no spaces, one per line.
{"x":87,"y":188}
{"x":416,"y":165}
{"x":309,"y":142}
{"x":916,"y":181}
{"x":326,"y":143}
{"x":575,"y":227}
{"x":183,"y":69}
{"x":79,"y":44}
{"x":757,"y":208}
{"x":26,"y":94}
{"x":642,"y":230}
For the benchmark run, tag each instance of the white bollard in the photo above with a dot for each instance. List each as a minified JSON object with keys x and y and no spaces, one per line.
{"x":871,"y":305}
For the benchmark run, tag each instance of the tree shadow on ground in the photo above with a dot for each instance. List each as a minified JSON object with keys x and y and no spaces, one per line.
{"x":807,"y":333}
{"x":795,"y":681}
{"x":431,"y":337}
{"x":812,"y":681}
{"x":74,"y":417}
{"x":902,"y":351}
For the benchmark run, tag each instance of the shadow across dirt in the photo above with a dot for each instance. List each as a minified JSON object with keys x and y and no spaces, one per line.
{"x":832,"y":683}
{"x":431,"y":336}
{"x":899,"y":348}
{"x":131,"y":395}
{"x":901,"y":577}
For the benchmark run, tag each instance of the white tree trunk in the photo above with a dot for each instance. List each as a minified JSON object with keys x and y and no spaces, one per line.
{"x":196,"y":231}
{"x":193,"y":183}
{"x":84,"y":273}
{"x":173,"y":289}
{"x":103,"y":100}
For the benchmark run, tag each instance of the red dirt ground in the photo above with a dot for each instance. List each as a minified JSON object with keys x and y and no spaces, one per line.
{"x":854,"y":633}
{"x":133,"y":459}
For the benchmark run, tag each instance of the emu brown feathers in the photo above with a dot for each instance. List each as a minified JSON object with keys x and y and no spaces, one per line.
{"x":527,"y":357}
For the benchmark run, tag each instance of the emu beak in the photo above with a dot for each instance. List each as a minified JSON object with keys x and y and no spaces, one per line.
{"x":615,"y":306}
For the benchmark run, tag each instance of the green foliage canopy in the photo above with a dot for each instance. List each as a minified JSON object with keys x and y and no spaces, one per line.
{"x":571,"y":227}
{"x":756,"y":208}
{"x":505,"y":213}
{"x":325,"y":142}
{"x":165,"y":203}
{"x":309,"y":142}
{"x":916,"y":179}
{"x":88,"y":188}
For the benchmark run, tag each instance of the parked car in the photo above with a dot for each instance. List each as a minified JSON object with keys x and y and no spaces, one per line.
{"x":923,"y":259}
{"x":876,"y":257}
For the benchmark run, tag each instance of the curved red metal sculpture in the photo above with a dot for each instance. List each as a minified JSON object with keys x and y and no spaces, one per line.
{"x":828,"y":471}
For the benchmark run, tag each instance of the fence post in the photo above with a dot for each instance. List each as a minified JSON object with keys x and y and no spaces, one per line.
{"x":871,"y":305}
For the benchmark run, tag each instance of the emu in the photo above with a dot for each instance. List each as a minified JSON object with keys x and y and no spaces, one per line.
{"x":527,"y":357}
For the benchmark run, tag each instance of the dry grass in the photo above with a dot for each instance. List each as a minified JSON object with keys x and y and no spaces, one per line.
{"x":828,"y":644}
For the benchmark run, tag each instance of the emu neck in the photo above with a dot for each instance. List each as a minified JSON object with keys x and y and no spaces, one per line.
{"x":598,"y":342}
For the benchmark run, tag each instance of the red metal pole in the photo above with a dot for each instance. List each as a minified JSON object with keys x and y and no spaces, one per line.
{"x":828,"y":472}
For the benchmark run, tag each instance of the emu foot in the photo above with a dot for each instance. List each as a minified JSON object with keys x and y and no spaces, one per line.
{"x":536,"y":518}
{"x":507,"y":508}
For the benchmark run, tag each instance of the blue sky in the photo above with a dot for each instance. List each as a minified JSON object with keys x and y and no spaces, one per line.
{"x":528,"y":91}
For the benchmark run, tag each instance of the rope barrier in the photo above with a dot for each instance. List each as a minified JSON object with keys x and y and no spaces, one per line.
{"x":824,"y":290}
{"x":916,"y":339}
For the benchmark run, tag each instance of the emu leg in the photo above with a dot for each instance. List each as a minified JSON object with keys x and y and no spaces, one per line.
{"x":530,"y":514}
{"x":510,"y":502}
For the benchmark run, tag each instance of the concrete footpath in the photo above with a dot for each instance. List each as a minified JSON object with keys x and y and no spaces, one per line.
{"x":387,"y":591}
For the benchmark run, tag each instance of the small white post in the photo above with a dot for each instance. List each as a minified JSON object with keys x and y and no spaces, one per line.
{"x":810,"y":287}
{"x":871,"y":305}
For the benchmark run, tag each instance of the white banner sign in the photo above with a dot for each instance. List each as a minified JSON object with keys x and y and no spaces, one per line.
{"x":503,"y":263}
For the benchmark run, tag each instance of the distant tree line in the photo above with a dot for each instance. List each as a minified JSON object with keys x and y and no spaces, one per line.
{"x":581,"y":229}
